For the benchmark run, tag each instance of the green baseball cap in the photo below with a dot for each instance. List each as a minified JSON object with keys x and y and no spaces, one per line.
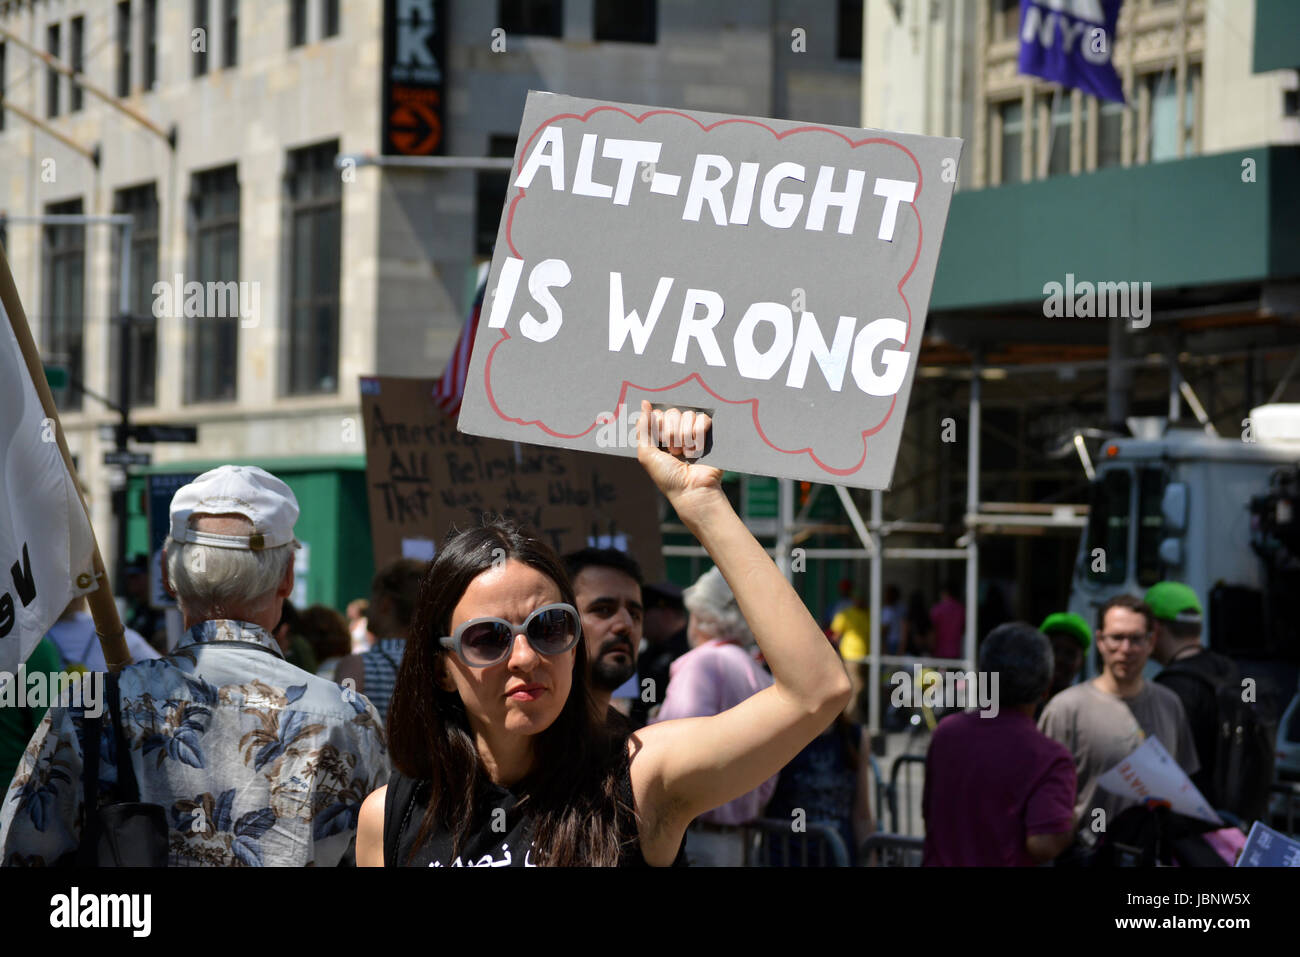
{"x":1068,"y":623}
{"x":1173,"y":601}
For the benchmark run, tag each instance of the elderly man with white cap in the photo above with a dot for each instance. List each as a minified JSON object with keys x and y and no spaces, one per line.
{"x":253,"y":761}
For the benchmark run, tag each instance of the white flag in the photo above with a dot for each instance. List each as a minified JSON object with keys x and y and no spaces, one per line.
{"x":46,"y":544}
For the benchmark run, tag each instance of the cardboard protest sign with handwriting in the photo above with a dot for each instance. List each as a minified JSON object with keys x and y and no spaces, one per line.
{"x":424,"y":477}
{"x":775,"y":274}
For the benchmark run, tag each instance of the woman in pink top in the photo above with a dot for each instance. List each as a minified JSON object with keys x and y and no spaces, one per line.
{"x":718,"y":673}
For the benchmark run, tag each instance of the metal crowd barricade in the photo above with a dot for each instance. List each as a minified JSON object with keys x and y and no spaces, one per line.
{"x":892,"y":850}
{"x":905,"y":797}
{"x":884,"y":792}
{"x":772,"y":842}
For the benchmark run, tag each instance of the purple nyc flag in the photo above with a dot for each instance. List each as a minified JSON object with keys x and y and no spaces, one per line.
{"x":1071,"y":42}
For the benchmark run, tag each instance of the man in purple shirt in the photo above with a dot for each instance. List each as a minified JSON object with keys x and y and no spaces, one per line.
{"x":998,"y":792}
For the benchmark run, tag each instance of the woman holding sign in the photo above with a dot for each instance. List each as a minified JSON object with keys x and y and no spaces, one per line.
{"x":500,"y":757}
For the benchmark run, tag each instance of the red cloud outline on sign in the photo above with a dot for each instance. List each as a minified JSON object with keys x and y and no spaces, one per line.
{"x":753,"y":402}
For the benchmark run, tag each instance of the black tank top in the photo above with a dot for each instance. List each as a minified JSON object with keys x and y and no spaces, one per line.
{"x":503,"y":839}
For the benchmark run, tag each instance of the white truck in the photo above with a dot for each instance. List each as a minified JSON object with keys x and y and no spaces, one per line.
{"x":1176,"y":503}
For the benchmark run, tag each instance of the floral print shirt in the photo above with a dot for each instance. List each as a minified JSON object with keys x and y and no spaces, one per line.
{"x":254,"y":761}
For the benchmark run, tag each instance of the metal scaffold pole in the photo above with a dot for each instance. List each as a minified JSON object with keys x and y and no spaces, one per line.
{"x":877,"y":575}
{"x":972,"y":510}
{"x":785,"y":528}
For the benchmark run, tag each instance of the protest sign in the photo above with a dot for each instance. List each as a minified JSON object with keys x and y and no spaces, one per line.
{"x":160,"y":488}
{"x":1266,"y":847}
{"x":1150,"y":772}
{"x":424,"y":477}
{"x":774,"y":274}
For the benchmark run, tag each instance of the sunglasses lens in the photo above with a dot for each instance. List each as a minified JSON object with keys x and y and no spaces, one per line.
{"x":485,"y":642}
{"x":552,"y":631}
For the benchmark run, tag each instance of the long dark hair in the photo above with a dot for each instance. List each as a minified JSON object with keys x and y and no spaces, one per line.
{"x":572,"y":796}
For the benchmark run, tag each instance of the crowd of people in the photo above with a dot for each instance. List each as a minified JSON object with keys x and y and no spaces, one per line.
{"x":503,"y":705}
{"x":1024,"y":786}
{"x":484,"y":709}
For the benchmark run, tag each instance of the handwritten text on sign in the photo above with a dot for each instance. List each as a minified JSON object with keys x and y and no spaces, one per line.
{"x":775,"y":274}
{"x":425,"y":478}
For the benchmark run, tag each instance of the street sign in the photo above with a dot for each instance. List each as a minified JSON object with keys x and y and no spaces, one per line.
{"x":127,"y":458}
{"x":168,"y":432}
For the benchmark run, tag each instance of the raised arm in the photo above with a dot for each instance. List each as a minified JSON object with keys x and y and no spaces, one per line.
{"x":680,"y":769}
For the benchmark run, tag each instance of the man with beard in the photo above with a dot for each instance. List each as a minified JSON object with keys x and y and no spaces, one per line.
{"x":1103,"y":721}
{"x":607,"y":583}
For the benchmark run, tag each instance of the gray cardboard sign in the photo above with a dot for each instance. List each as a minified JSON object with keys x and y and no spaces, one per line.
{"x":775,"y":274}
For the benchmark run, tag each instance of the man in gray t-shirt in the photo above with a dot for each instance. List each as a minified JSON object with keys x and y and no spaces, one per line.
{"x":1103,"y":721}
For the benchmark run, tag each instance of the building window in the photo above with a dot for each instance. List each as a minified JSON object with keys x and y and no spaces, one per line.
{"x":64,"y":300}
{"x":297,"y":22}
{"x":214,"y":339}
{"x":627,"y":21}
{"x":150,"y":44}
{"x":2,"y":86}
{"x":848,"y":45}
{"x":329,"y":18}
{"x":491,"y":197}
{"x":124,"y":48}
{"x":1110,"y":133}
{"x":1004,"y":19}
{"x":77,"y":60}
{"x":51,"y":74}
{"x":230,"y":33}
{"x":142,"y":203}
{"x":542,"y":18}
{"x":1011,"y":117}
{"x":201,"y":27}
{"x":1162,"y":113}
{"x":1056,"y":107}
{"x":314,"y":202}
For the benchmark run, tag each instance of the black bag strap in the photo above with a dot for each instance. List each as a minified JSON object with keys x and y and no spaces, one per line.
{"x":399,"y":801}
{"x":389,"y":658}
{"x":128,"y":789}
{"x":91,"y":729}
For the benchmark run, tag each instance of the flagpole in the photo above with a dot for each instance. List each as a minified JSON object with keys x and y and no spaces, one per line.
{"x":108,"y":624}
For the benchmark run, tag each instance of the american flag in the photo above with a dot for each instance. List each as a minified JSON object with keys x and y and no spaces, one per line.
{"x":451,"y":387}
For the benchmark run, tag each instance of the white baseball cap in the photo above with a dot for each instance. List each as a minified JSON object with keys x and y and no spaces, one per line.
{"x":236,"y":490}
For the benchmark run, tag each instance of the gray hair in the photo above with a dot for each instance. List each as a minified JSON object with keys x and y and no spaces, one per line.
{"x":1021,"y":656}
{"x":714,"y":610}
{"x":213,"y":582}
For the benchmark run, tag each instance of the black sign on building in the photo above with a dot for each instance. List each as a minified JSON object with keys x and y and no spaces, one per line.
{"x":415,"y":48}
